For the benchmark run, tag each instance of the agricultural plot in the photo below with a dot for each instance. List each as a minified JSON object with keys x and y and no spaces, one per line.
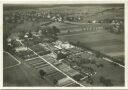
{"x":102,"y":41}
{"x":23,"y":75}
{"x":9,"y":61}
{"x":49,"y":58}
{"x":28,"y":54}
{"x":41,"y":50}
{"x":55,"y":76}
{"x":17,"y":74}
{"x":37,"y":63}
{"x":52,"y":74}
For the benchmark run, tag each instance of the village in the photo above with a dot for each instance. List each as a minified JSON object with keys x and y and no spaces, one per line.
{"x":40,"y":46}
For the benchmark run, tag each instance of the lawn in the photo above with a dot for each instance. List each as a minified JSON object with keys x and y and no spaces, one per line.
{"x":8,"y":60}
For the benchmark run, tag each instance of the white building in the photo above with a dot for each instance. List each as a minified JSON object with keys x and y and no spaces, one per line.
{"x":54,"y":55}
{"x":61,"y":45}
{"x":22,"y":48}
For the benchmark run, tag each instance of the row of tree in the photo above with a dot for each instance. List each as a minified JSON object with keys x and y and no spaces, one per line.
{"x":98,"y":54}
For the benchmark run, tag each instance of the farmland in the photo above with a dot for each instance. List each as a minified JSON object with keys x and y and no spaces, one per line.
{"x":23,"y":75}
{"x":64,"y":46}
{"x":103,"y":41}
{"x":20,"y":74}
{"x":27,"y":73}
{"x":9,"y":60}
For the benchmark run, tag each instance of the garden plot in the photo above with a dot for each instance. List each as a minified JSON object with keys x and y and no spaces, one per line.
{"x":37,"y":63}
{"x":28,"y":54}
{"x":39,"y":49}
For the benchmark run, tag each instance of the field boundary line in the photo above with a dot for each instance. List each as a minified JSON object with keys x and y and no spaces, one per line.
{"x":76,"y":34}
{"x":113,"y":62}
{"x":14,"y":59}
{"x":68,"y":84}
{"x":35,"y":45}
{"x":31,"y":59}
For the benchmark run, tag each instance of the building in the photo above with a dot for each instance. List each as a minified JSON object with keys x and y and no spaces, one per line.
{"x":21,"y":48}
{"x":63,"y":45}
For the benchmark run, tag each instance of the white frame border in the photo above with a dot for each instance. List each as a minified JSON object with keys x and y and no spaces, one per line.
{"x":64,"y":2}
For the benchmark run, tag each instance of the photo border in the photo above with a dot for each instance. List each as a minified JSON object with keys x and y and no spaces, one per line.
{"x":65,"y":2}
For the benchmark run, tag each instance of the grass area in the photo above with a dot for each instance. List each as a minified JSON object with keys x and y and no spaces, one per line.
{"x":108,"y":71}
{"x":99,"y":40}
{"x":23,"y":75}
{"x":8,"y":60}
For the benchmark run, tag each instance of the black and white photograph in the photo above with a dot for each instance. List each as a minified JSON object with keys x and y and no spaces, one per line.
{"x":64,"y":45}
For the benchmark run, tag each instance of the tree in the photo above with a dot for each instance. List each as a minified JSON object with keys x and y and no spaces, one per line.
{"x":55,"y":29}
{"x":68,"y":31}
{"x":61,"y":56}
{"x":55,"y":81}
{"x":106,"y":82}
{"x":42,"y":73}
{"x":98,"y":54}
{"x":102,"y":79}
{"x":99,"y":65}
{"x":78,"y":43}
{"x":30,"y":34}
{"x":93,"y":61}
{"x":90,"y":80}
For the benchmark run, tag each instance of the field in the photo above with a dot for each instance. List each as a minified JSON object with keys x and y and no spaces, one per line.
{"x":108,"y":71}
{"x":8,"y":60}
{"x":20,"y":74}
{"x":51,"y":73}
{"x":103,"y":41}
{"x":71,"y":27}
{"x":27,"y":74}
{"x":26,"y":54}
{"x":23,"y":75}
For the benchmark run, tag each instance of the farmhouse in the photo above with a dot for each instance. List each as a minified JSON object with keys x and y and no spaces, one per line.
{"x":63,"y":45}
{"x":21,"y":48}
